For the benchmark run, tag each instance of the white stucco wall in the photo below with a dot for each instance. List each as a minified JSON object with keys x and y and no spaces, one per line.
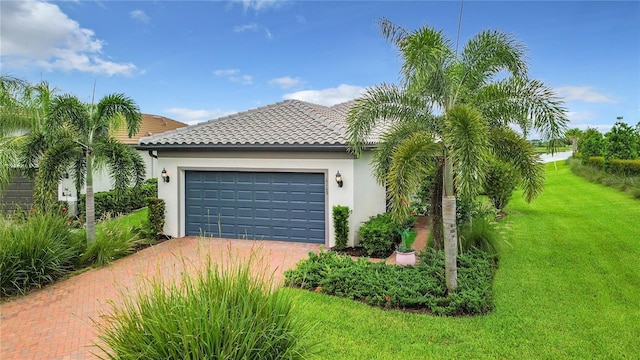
{"x":359,"y":192}
{"x":102,"y":181}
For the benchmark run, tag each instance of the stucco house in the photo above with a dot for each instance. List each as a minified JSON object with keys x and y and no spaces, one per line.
{"x":150,"y":125}
{"x":272,"y":173}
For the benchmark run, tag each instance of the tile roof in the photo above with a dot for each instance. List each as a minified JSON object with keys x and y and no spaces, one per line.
{"x":286,"y":123}
{"x":150,"y":125}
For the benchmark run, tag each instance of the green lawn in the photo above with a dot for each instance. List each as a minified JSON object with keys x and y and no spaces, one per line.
{"x":568,"y":287}
{"x":135,"y":218}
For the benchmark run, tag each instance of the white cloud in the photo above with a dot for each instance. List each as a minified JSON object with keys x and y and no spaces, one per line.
{"x":234,"y":75}
{"x":193,"y":116}
{"x":139,"y":15}
{"x":259,"y":5}
{"x":582,"y":93}
{"x":287,"y":82}
{"x":328,"y":97}
{"x":247,"y":27}
{"x":39,"y":33}
{"x":268,"y":34}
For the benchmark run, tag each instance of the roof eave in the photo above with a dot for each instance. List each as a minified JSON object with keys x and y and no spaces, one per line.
{"x":248,"y":147}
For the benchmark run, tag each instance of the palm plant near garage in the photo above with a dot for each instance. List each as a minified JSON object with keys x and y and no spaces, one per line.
{"x":455,"y":110}
{"x":84,"y":142}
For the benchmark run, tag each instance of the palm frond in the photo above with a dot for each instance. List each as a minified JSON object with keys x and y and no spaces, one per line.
{"x":411,"y":161}
{"x":524,"y":102}
{"x":515,"y":150}
{"x":379,"y":108}
{"x":487,"y":54}
{"x":465,"y":137}
{"x":68,"y":110}
{"x":392,"y":32}
{"x":390,"y":140}
{"x":110,"y":108}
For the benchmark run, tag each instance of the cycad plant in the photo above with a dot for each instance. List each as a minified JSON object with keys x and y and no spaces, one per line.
{"x":456,"y":109}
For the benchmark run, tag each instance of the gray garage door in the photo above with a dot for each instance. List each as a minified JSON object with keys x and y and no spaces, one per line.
{"x":19,"y":194}
{"x":255,"y":205}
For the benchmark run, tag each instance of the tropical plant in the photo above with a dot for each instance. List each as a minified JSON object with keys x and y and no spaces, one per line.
{"x":25,"y":132}
{"x":407,"y":238}
{"x":457,"y":107}
{"x":341,"y":225}
{"x":83,"y":142}
{"x":573,"y":135}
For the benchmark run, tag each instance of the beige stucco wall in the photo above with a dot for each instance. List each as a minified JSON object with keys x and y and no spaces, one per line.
{"x":359,"y":192}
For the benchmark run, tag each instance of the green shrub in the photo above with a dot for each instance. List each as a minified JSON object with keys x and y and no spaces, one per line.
{"x":379,"y":235}
{"x":341,"y":225}
{"x":35,"y":252}
{"x":624,"y":167}
{"x":596,"y":162}
{"x":592,"y":143}
{"x":420,"y":287}
{"x":480,"y":234}
{"x":113,"y":241}
{"x":499,"y":183}
{"x":217,"y":313}
{"x":114,"y":202}
{"x":154,"y":226}
{"x":627,"y":183}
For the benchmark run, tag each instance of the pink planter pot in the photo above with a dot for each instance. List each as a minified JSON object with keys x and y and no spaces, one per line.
{"x":406,"y":258}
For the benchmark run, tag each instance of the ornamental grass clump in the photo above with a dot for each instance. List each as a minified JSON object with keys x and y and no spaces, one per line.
{"x":34,"y":252}
{"x":217,"y":312}
{"x":113,"y":241}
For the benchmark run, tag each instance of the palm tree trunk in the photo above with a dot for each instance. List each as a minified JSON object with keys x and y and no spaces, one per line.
{"x":450,"y":230}
{"x":436,"y":208}
{"x":89,"y":203}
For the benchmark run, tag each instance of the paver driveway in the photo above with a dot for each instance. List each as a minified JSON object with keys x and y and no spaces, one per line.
{"x":56,"y":322}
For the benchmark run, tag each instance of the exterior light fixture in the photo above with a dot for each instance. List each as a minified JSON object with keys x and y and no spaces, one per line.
{"x":165,"y":175}
{"x":65,"y":175}
{"x":339,"y":179}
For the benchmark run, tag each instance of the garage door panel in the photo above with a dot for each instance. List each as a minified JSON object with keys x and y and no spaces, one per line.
{"x":256,"y":205}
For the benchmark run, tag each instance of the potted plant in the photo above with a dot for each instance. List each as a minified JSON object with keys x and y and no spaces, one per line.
{"x":405,"y":254}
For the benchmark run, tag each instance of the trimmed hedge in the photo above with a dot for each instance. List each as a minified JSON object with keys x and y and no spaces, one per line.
{"x":133,"y":198}
{"x":624,"y":167}
{"x":341,"y":225}
{"x":596,"y":161}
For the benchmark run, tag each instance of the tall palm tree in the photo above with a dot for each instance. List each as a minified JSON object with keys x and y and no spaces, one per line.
{"x":457,"y":107}
{"x":84,"y":142}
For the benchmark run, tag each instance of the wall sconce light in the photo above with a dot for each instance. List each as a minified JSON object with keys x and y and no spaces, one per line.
{"x":65,"y":175}
{"x":339,"y":179}
{"x":165,"y":176}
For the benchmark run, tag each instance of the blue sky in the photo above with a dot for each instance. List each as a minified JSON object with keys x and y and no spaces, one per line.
{"x":198,"y":60}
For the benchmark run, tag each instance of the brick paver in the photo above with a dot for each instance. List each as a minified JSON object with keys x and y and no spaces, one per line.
{"x":57,"y":321}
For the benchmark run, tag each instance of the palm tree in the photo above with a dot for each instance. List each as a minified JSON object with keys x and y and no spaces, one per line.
{"x":23,"y":110}
{"x":83,"y":143}
{"x":457,"y":107}
{"x":574,"y":135}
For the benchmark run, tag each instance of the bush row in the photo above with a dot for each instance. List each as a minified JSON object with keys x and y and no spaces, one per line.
{"x":114,"y":202}
{"x":615,"y":166}
{"x":420,"y":288}
{"x":626,"y":183}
